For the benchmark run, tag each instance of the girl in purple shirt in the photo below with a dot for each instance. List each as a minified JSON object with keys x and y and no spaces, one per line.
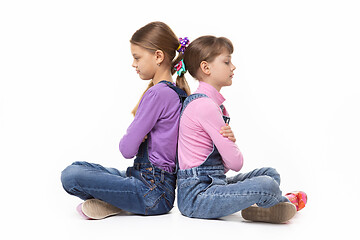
{"x":148,"y":187}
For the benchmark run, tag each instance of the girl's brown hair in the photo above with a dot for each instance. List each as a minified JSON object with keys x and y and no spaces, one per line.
{"x":159,"y":36}
{"x":205,"y":48}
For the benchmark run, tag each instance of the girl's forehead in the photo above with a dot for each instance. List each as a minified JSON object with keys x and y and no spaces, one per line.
{"x":224,"y":54}
{"x":135,"y":48}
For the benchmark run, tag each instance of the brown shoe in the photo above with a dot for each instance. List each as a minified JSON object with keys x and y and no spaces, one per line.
{"x":280,"y":213}
{"x":97,"y":209}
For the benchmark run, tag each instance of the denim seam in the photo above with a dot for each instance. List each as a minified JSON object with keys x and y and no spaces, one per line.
{"x":166,"y":189}
{"x":106,"y":190}
{"x":203,"y":194}
{"x":146,"y":183}
{"x":147,"y":193}
{"x":167,"y":202}
{"x":74,"y":190}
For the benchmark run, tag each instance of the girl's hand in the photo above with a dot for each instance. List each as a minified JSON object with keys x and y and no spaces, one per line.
{"x":227,"y":132}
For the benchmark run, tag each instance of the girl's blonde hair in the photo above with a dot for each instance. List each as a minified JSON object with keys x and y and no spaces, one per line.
{"x":159,"y":36}
{"x":205,"y":48}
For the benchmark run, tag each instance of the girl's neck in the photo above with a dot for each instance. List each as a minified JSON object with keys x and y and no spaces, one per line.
{"x":163,"y":73}
{"x":217,"y":87}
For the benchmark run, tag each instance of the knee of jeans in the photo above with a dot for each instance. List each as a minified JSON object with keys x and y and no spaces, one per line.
{"x":271,"y":172}
{"x":269,"y":185}
{"x":185,"y":205}
{"x":68,"y":177}
{"x":80,"y":163}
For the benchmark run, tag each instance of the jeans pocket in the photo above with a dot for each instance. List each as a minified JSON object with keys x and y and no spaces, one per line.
{"x":214,"y":181}
{"x":184,"y":183}
{"x":158,"y":202}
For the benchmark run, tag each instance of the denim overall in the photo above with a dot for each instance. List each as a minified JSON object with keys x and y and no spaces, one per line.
{"x":205,"y":192}
{"x":143,"y":189}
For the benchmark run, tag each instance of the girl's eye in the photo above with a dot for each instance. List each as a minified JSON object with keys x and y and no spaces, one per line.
{"x":227,"y":63}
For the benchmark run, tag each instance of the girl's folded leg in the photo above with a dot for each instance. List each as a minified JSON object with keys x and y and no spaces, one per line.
{"x":222,"y":200}
{"x":88,"y":180}
{"x":72,"y":177}
{"x":266,"y":171}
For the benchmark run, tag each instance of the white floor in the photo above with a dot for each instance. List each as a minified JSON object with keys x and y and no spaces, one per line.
{"x":67,"y":88}
{"x":54,"y":217}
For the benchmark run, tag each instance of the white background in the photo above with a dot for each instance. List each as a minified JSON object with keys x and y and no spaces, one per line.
{"x":67,"y":88}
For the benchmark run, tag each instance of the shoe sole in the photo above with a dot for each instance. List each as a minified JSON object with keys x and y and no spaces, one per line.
{"x":97,"y":209}
{"x":280,"y":213}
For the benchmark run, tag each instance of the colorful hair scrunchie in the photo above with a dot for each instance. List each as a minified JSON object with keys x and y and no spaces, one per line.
{"x":180,"y":68}
{"x":184,"y":42}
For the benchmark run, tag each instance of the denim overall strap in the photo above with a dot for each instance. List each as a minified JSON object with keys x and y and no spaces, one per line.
{"x":142,"y":157}
{"x":194,"y":96}
{"x":226,"y":119}
{"x":181,"y":93}
{"x":191,"y":98}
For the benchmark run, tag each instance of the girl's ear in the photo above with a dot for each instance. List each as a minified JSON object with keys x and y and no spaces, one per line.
{"x":205,"y":68}
{"x":159,"y":56}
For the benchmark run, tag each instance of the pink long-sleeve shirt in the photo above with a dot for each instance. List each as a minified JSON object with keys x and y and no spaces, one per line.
{"x":199,"y":129}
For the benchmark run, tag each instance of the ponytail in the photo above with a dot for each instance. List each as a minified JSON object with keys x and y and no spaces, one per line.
{"x":180,"y":80}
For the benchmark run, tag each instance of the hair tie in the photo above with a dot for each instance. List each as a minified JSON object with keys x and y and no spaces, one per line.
{"x":184,"y":42}
{"x":180,"y":68}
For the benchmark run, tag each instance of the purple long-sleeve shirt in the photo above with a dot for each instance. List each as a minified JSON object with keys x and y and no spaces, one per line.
{"x":158,"y":118}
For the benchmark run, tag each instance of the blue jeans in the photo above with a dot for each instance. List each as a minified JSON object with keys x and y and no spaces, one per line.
{"x":205,"y":192}
{"x":142,"y":189}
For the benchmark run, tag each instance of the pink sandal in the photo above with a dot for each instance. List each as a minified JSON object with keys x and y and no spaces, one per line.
{"x":299,"y":199}
{"x":82,"y":214}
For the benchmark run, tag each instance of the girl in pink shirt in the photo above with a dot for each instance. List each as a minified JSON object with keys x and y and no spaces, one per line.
{"x":207,"y":148}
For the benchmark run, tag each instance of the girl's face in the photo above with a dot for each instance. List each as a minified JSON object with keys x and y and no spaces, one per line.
{"x":144,"y":62}
{"x":222,"y":70}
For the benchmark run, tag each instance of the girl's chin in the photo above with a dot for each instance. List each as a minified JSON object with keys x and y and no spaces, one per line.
{"x":227,"y":82}
{"x":144,"y":77}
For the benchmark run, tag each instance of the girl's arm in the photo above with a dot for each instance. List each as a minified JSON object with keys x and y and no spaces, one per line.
{"x":147,"y":115}
{"x":210,"y":118}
